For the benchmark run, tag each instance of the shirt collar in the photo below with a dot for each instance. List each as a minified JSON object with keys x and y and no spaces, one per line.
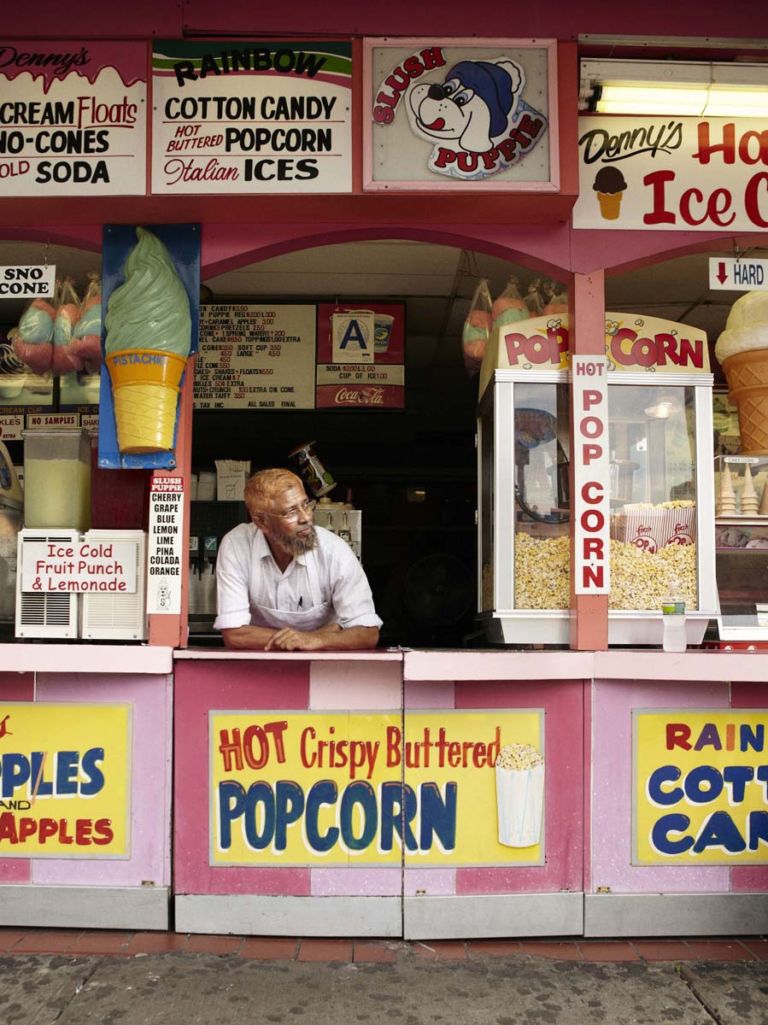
{"x":263,"y":551}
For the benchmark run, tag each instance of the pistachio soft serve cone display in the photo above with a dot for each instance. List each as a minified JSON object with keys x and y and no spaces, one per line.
{"x":149,"y":335}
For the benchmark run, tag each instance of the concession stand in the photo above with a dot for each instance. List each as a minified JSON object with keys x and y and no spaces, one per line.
{"x":406,"y":265}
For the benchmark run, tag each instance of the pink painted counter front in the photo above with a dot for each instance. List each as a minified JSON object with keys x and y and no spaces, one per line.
{"x":298,"y":838}
{"x":463,"y":794}
{"x":85,"y":744}
{"x":679,"y":830}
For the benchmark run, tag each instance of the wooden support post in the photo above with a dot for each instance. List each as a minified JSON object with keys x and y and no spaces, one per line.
{"x":589,"y":612}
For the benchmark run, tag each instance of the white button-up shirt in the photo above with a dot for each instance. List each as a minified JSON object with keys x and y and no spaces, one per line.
{"x":325,"y":585}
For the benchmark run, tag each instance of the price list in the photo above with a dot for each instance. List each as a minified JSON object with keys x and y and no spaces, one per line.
{"x":256,"y":357}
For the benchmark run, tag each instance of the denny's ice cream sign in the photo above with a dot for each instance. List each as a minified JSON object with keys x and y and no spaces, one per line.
{"x":72,"y":118}
{"x":672,"y":174}
{"x":633,"y":343}
{"x":361,"y":789}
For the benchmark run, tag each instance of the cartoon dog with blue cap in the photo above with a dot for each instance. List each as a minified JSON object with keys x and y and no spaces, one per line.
{"x":472,"y":106}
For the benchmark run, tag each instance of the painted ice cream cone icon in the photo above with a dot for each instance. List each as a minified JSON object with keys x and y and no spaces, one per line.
{"x":519,"y":795}
{"x":149,"y":335}
{"x":742,"y":351}
{"x":609,"y":186}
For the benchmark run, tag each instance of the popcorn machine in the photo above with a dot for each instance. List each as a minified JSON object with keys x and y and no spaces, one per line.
{"x":660,"y":444}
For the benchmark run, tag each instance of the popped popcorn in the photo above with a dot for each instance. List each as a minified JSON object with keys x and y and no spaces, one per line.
{"x":642,"y":579}
{"x":639,"y":579}
{"x":542,"y":572}
{"x":518,"y":756}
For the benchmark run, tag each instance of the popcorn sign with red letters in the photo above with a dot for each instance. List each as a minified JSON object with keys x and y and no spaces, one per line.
{"x":590,"y":475}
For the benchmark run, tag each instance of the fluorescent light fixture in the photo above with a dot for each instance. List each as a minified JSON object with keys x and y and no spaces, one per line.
{"x":675,"y":88}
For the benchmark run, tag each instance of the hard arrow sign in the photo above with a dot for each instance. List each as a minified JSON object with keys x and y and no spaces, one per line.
{"x":732,"y":275}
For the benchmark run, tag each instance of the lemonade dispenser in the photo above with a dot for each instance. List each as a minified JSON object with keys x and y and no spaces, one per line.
{"x":57,"y":478}
{"x":11,"y":505}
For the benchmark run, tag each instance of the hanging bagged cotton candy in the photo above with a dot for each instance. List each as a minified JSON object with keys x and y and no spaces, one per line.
{"x":533,"y":300}
{"x":33,"y":341}
{"x":67,"y":315}
{"x":557,"y":300}
{"x":85,"y":346}
{"x":477,"y":328}
{"x":509,"y":308}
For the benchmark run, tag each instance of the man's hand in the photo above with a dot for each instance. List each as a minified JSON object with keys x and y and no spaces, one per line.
{"x":328,"y":638}
{"x":295,"y":640}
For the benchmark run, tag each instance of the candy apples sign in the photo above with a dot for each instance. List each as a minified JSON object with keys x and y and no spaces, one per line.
{"x":466,"y":112}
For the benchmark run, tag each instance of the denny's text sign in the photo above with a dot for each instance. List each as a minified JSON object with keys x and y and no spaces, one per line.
{"x":672,"y":174}
{"x":72,"y":118}
{"x":700,"y":787}
{"x":358,"y":789}
{"x":64,"y":780}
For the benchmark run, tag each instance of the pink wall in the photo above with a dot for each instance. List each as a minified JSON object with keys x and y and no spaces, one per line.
{"x":200,"y":687}
{"x":559,"y":18}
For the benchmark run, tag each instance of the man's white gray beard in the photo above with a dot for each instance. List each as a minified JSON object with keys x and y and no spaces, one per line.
{"x":299,"y":545}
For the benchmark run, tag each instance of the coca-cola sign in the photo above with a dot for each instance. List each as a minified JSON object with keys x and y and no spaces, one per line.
{"x":368,"y":396}
{"x":347,"y":396}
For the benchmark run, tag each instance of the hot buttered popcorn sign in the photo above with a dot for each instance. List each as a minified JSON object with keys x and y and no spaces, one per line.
{"x":357,"y":789}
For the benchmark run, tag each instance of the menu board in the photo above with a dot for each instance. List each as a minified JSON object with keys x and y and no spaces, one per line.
{"x":256,"y":357}
{"x":73,"y":118}
{"x":252,"y":117}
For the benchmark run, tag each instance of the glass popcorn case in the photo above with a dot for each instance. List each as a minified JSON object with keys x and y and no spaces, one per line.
{"x":523,"y":514}
{"x":661,"y":499}
{"x":659,"y":482}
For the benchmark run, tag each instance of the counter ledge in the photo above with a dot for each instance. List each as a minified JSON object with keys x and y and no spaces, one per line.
{"x":86,"y":658}
{"x":228,"y":654}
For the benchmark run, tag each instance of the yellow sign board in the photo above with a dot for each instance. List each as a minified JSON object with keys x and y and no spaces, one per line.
{"x":700,"y":787}
{"x":335,"y":788}
{"x":64,"y":780}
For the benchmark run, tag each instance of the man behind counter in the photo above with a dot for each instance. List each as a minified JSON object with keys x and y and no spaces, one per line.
{"x":285,"y":585}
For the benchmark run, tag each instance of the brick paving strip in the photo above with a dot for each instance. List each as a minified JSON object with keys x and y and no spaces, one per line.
{"x":115,"y":943}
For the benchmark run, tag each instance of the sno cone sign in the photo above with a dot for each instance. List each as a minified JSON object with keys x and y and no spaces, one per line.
{"x":149,"y":335}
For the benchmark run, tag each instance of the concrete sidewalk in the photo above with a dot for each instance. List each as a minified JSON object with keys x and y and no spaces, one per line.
{"x":416,"y":984}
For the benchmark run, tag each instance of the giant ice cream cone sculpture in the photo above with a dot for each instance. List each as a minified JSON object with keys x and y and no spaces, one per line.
{"x":742,"y":350}
{"x":149,"y":334}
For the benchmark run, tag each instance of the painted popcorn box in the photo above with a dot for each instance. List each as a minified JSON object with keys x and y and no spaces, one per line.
{"x":651,"y":527}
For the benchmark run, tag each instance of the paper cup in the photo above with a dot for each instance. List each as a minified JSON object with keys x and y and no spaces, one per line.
{"x":382,"y":331}
{"x":519,"y":805}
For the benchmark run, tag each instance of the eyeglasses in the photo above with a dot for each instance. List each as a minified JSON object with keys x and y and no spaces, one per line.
{"x":292,"y":515}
